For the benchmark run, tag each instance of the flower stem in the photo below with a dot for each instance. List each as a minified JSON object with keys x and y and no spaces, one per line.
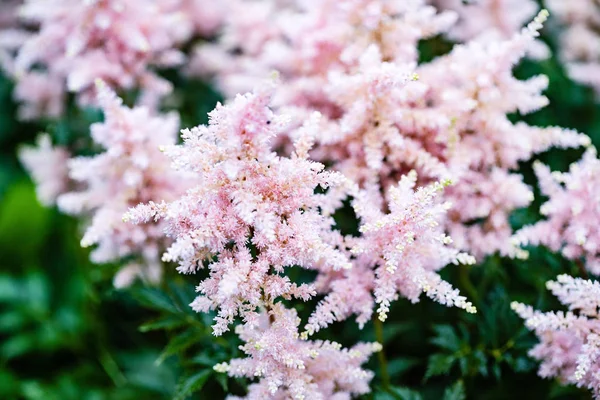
{"x":385,"y":376}
{"x":582,"y":269}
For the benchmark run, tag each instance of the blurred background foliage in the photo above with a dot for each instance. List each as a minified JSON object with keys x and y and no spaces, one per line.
{"x":66,"y":333}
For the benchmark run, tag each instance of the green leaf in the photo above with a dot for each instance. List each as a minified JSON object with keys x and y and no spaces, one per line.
{"x":403,"y":393}
{"x":394,"y":329}
{"x":155,"y":299}
{"x":446,"y":338}
{"x":178,"y":344}
{"x":191,"y":384}
{"x":169,"y":322}
{"x":439,"y":364}
{"x":397,"y":393}
{"x":223,"y":380}
{"x":400,"y":365}
{"x":455,"y":392}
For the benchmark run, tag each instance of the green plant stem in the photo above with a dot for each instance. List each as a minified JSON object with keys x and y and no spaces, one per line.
{"x":383,"y":368}
{"x":582,"y":269}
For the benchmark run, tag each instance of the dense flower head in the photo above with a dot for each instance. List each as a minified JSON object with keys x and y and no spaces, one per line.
{"x":130,"y":170}
{"x":474,"y":88}
{"x":571,"y":212}
{"x":397,"y":254}
{"x":306,"y":40}
{"x":569,"y":347}
{"x":47,"y":165}
{"x":482,"y":16}
{"x":254,"y":211}
{"x":580,"y":42}
{"x":76,"y":42}
{"x":384,"y":116}
{"x":289,"y":367}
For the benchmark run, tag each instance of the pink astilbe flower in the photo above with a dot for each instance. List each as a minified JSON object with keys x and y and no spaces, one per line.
{"x":131,"y":170}
{"x":206,"y":15}
{"x":451,"y":122}
{"x":476,"y":17}
{"x":569,"y":347}
{"x":398,"y":253}
{"x":305,"y":40}
{"x":47,"y":166}
{"x":255,"y":212}
{"x":290,"y":368}
{"x":79,"y":41}
{"x":572,"y":212}
{"x":475,"y":89}
{"x":580,"y":40}
{"x":8,"y":13}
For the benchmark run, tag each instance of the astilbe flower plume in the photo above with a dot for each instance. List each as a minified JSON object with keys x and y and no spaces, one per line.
{"x":580,"y":38}
{"x":377,"y":123}
{"x":569,"y":347}
{"x":397,"y":253}
{"x":130,"y":170}
{"x":571,"y":213}
{"x":476,"y":17}
{"x":289,"y":367}
{"x":75,"y":42}
{"x":251,"y":215}
{"x":47,"y":165}
{"x":256,"y":212}
{"x":472,"y":89}
{"x":306,"y":40}
{"x":450,"y":120}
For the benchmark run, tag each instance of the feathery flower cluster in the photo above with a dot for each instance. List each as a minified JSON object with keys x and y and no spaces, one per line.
{"x":305,"y":41}
{"x":580,"y":43}
{"x":249,"y":196}
{"x":572,"y":212}
{"x":397,"y":253}
{"x":257,"y":212}
{"x":47,"y":166}
{"x":569,"y":347}
{"x":475,"y":89}
{"x":476,"y":17}
{"x":288,"y":367}
{"x":251,"y":215}
{"x":378,"y":123}
{"x":131,"y":170}
{"x":77,"y":42}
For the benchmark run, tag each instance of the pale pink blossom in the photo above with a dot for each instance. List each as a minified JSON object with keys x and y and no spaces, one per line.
{"x":129,"y":171}
{"x":47,"y":165}
{"x":569,"y":347}
{"x":76,"y":42}
{"x":579,"y":40}
{"x":306,"y":40}
{"x":289,"y":367}
{"x":254,"y":211}
{"x":476,"y":17}
{"x":571,"y":213}
{"x":397,"y":253}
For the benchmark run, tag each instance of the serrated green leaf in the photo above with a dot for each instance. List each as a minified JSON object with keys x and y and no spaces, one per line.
{"x":403,"y":393}
{"x":155,"y":299}
{"x":446,"y":338}
{"x":439,"y":364}
{"x":178,"y":344}
{"x":223,"y":381}
{"x":169,"y":322}
{"x":400,"y":365}
{"x":455,"y":392}
{"x":395,"y":329}
{"x":191,"y":384}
